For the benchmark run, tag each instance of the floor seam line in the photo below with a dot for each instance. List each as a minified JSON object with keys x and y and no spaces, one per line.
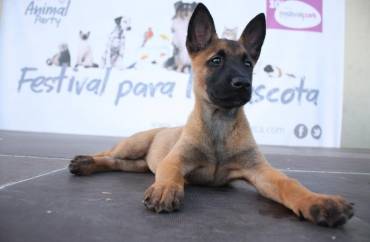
{"x":326,"y":172}
{"x":9,"y":184}
{"x":34,"y":157}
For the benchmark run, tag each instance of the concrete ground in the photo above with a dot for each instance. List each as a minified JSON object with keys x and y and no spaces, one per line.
{"x":41,"y":201}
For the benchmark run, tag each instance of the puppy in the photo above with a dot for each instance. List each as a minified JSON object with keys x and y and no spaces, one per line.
{"x":216,"y":145}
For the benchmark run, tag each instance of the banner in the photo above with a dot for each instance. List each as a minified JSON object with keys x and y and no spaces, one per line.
{"x":116,"y":67}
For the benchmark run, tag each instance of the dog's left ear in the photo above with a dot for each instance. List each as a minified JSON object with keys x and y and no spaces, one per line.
{"x":253,"y":36}
{"x":201,"y":30}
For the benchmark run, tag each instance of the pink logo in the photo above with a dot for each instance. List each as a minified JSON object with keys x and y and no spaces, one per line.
{"x":304,"y":15}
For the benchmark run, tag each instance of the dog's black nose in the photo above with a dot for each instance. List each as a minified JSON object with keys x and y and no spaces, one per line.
{"x":240,"y":82}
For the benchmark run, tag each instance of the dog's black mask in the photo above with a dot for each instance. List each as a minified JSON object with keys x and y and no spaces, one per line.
{"x":229,"y":79}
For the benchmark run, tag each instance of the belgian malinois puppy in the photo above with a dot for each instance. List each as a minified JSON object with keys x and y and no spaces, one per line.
{"x":216,"y":145}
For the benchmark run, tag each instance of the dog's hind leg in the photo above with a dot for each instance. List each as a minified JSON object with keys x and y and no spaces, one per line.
{"x":84,"y":165}
{"x":128,"y":155}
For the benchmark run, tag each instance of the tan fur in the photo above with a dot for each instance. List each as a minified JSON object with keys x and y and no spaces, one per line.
{"x":215,"y":147}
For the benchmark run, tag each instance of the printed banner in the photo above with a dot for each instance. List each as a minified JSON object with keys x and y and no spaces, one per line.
{"x":116,"y":67}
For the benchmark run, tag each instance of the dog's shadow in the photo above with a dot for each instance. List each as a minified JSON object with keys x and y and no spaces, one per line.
{"x":236,"y":196}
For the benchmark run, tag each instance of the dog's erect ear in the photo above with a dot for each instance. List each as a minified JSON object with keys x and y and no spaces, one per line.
{"x":118,"y":20}
{"x":201,"y":30}
{"x":253,"y":36}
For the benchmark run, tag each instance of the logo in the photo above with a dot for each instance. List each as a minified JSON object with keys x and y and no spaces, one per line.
{"x":316,"y":131}
{"x":47,"y":12}
{"x":300,"y":131}
{"x":303,"y":15}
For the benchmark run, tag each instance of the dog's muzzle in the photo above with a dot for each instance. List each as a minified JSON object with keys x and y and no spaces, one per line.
{"x":232,"y":99}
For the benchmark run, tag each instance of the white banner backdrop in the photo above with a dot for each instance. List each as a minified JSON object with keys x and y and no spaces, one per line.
{"x":115,"y":67}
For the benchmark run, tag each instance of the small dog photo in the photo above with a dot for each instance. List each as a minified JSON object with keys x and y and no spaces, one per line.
{"x":62,"y":58}
{"x":180,"y":61}
{"x":115,"y":48}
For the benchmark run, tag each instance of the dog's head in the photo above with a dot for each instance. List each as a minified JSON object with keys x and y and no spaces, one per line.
{"x":223,"y":68}
{"x":123,"y":23}
{"x":63,"y":47}
{"x":84,"y":35}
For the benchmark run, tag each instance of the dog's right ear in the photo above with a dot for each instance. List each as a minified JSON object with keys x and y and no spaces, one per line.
{"x":201,"y":30}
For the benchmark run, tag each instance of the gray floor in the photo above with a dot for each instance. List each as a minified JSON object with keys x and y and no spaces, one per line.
{"x":41,"y":201}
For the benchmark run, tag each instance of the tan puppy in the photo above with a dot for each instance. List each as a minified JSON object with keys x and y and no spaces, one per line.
{"x":216,"y":145}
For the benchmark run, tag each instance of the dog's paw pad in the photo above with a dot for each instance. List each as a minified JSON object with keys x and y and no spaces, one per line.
{"x":331,"y":212}
{"x":81,"y":165}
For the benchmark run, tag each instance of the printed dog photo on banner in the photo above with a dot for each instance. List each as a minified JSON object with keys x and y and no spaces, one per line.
{"x":61,"y":58}
{"x":180,"y":60}
{"x":115,"y":48}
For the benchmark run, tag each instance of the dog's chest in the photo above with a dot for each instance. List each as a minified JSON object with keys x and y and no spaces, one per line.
{"x":213,"y":158}
{"x":214,"y":165}
{"x":219,"y":149}
{"x":216,"y":139}
{"x":211,"y":175}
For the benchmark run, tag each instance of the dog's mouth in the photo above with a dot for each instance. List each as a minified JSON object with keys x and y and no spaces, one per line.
{"x":230,"y":101}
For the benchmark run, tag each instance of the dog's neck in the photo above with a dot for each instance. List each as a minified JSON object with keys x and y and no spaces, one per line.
{"x":214,"y":121}
{"x":210,"y":112}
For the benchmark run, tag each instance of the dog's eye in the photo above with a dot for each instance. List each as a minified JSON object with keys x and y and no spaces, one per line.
{"x":216,"y":61}
{"x":247,"y":63}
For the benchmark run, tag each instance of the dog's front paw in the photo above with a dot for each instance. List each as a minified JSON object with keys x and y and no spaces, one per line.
{"x":325,"y":210}
{"x":164,"y":197}
{"x":81,"y":165}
